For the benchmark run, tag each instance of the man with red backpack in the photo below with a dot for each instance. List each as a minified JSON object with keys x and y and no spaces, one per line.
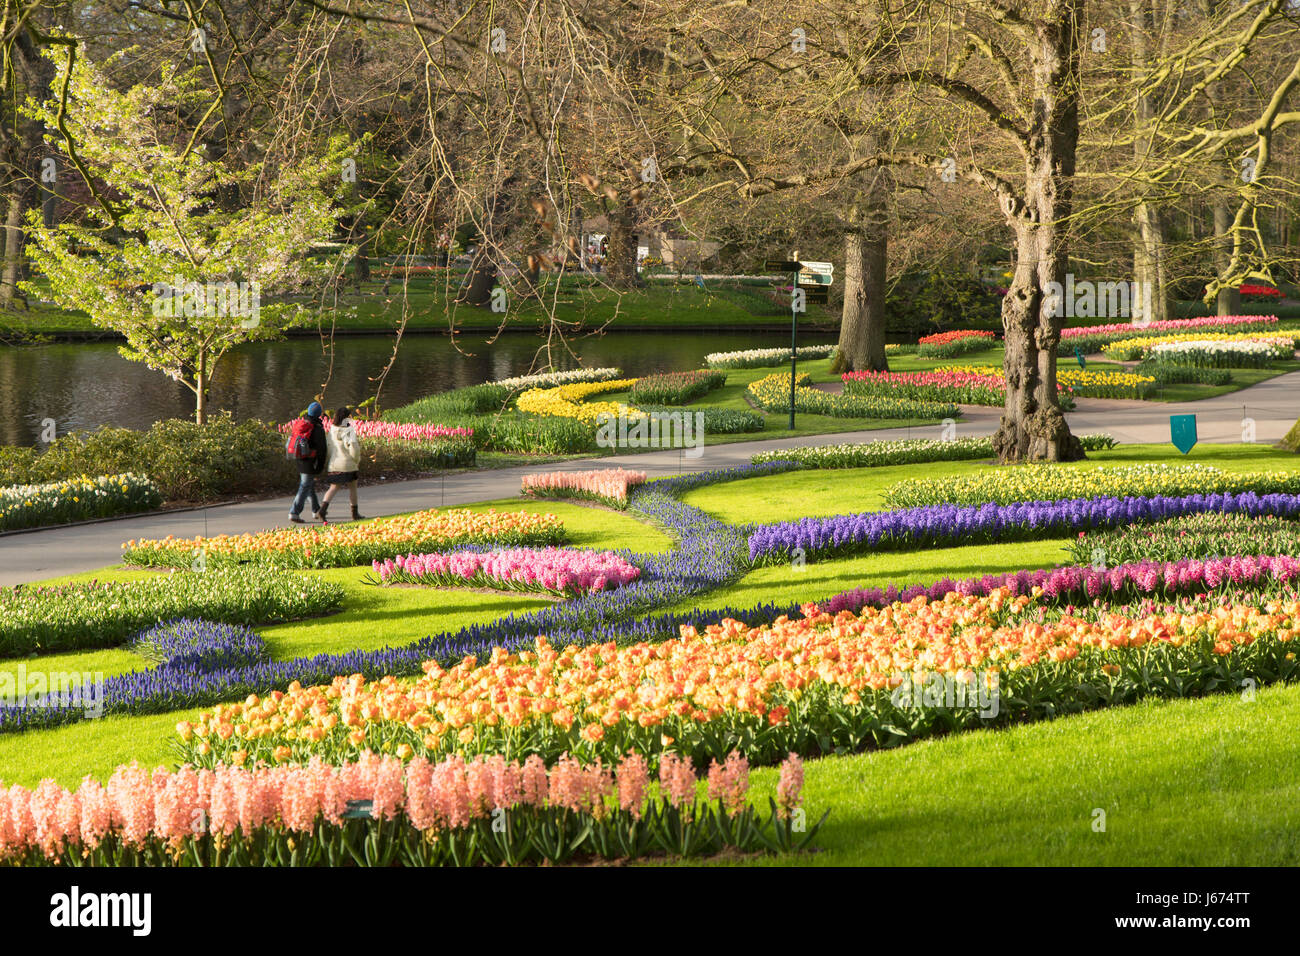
{"x":306,"y":446}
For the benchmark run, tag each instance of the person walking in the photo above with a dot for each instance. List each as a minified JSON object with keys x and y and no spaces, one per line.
{"x":343,"y":461}
{"x":307,"y":447}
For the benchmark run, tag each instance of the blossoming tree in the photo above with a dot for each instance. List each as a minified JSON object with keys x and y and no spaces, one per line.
{"x":176,"y":250}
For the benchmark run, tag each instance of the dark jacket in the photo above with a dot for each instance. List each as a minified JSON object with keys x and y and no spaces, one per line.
{"x":316,"y":463}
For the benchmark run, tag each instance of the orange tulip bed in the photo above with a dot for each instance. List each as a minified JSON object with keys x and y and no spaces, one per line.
{"x":335,"y":546}
{"x":812,"y":684}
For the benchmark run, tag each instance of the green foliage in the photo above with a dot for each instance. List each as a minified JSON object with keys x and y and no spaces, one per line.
{"x":187,"y":462}
{"x":907,"y":451}
{"x":40,"y":620}
{"x":156,"y":259}
{"x":1049,"y":482}
{"x":1292,"y":440}
{"x":675,"y":388}
{"x":957,"y":346}
{"x":387,"y":456}
{"x":76,"y":499}
{"x":459,"y":402}
{"x":925,"y":302}
{"x":717,"y":420}
{"x":1166,"y":374}
{"x":479,"y":407}
{"x":1190,"y":536}
{"x":773,"y":394}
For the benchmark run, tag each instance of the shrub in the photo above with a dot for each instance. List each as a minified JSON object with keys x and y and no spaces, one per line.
{"x":76,"y":499}
{"x":71,"y":617}
{"x":187,"y":462}
{"x":675,"y":388}
{"x":922,"y":301}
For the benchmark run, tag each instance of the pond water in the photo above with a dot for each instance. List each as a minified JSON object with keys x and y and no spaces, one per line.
{"x":85,"y":385}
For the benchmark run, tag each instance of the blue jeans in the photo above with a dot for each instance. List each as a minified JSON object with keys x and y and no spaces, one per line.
{"x":306,"y":487}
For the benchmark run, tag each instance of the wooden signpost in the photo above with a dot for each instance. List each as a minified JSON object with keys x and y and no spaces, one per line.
{"x":817,"y":278}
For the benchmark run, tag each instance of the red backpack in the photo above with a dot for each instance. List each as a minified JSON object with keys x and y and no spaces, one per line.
{"x":298,"y":447}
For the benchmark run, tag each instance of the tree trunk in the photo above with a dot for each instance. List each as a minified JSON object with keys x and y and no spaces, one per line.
{"x":1149,"y":269}
{"x":620,"y":258}
{"x":1229,"y":299}
{"x":862,"y":323}
{"x":483,"y":267}
{"x":22,"y":156}
{"x":482,"y":279}
{"x":1033,"y":426}
{"x":201,"y":398}
{"x":361,"y":261}
{"x":1149,"y":266}
{"x":13,"y":256}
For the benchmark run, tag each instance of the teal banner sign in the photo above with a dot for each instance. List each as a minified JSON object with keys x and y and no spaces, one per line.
{"x":1182,"y":432}
{"x":1083,"y":362}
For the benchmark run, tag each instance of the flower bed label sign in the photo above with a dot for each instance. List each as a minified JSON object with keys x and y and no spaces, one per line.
{"x":1182,"y":432}
{"x":359,"y":810}
{"x":816,"y":273}
{"x":1083,"y":362}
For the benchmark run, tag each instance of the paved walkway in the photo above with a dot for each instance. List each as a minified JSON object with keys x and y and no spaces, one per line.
{"x":1273,"y":405}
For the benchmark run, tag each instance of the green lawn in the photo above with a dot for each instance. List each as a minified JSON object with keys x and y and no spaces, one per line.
{"x":775,"y":424}
{"x":428,"y":306}
{"x":818,"y":493}
{"x":1207,"y":782}
{"x":1204,"y":782}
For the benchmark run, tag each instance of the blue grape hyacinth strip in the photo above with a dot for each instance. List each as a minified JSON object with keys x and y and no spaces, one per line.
{"x":932,"y":526}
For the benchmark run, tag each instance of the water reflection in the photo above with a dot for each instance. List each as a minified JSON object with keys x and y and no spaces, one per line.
{"x":89,"y":384}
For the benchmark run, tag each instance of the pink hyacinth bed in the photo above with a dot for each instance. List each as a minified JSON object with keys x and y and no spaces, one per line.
{"x":564,"y":572}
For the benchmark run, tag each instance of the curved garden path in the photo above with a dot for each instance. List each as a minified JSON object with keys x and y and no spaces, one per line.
{"x":1274,"y":405}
